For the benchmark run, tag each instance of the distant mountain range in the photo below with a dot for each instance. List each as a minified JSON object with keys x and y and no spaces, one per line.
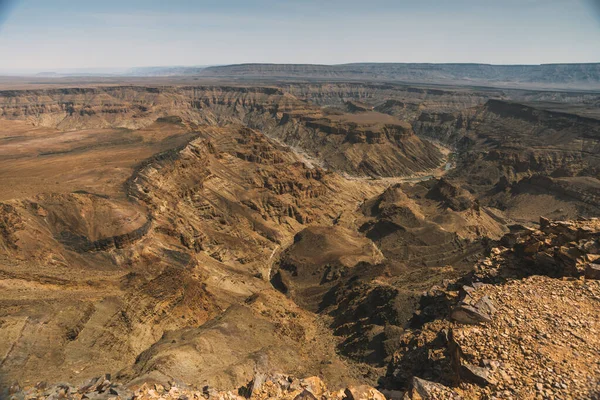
{"x":545,"y":76}
{"x":577,"y":76}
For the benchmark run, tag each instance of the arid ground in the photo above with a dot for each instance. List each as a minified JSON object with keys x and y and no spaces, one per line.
{"x":205,"y":234}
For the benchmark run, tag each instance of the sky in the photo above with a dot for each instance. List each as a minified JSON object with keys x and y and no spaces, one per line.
{"x":47,"y":35}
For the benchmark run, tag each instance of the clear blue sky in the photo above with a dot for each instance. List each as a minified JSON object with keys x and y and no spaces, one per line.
{"x":54,"y":34}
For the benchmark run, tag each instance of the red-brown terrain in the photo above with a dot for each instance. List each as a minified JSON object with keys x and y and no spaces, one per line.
{"x":227,"y":239}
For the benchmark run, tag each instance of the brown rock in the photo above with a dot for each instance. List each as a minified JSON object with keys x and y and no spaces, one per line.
{"x":592,"y":257}
{"x":532,"y":248}
{"x":509,"y":240}
{"x":474,"y":374}
{"x":466,"y":314}
{"x":466,"y":291}
{"x":363,"y":392}
{"x":544,"y":223}
{"x":393,"y":394}
{"x":305,"y":395}
{"x":257,"y":382}
{"x":88,"y":386}
{"x":592,"y":271}
{"x":485,"y":304}
{"x":455,"y":355}
{"x":314,"y":385}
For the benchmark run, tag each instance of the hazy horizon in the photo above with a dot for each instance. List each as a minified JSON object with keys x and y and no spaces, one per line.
{"x":126,"y":70}
{"x":41,"y":36}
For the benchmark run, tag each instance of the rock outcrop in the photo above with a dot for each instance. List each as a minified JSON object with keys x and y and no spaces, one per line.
{"x":527,"y":332}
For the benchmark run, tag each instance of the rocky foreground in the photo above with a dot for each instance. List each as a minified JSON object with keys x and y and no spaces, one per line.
{"x":260,"y":388}
{"x":523,"y":325}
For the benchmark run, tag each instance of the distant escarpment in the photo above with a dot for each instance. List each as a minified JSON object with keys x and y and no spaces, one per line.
{"x":518,"y":139}
{"x":522,"y":159}
{"x":364,"y":143}
{"x":545,"y":75}
{"x":524,"y":139}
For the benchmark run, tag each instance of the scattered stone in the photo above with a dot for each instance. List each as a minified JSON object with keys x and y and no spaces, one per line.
{"x":264,"y":387}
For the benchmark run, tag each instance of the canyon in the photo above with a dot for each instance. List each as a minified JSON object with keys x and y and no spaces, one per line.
{"x":226,"y":237}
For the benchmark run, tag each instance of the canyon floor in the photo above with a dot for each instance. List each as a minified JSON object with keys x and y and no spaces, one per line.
{"x":298,"y":239}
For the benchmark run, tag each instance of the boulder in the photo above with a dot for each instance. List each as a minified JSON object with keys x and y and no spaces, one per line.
{"x":569,"y":258}
{"x":485,"y":305}
{"x":477,"y":375}
{"x":509,"y":240}
{"x":466,"y":291}
{"x":315,"y":385}
{"x":544,"y":260}
{"x":363,"y":392}
{"x":544,"y":223}
{"x":532,"y":248}
{"x":102,"y":386}
{"x":456,"y":353}
{"x":591,"y":246}
{"x":393,"y":394}
{"x":592,"y":271}
{"x":592,"y":257}
{"x":257,"y":382}
{"x":467,"y":314}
